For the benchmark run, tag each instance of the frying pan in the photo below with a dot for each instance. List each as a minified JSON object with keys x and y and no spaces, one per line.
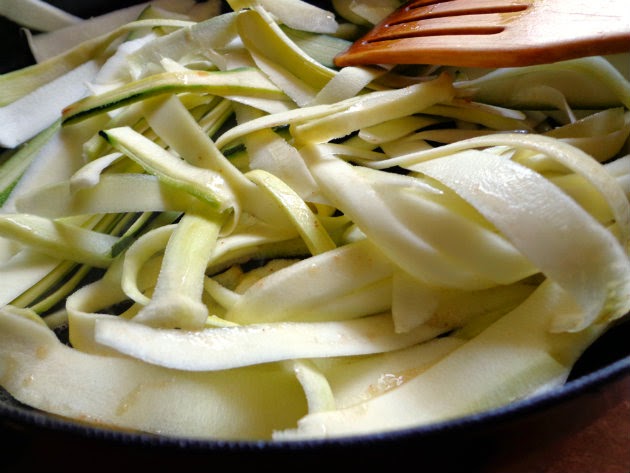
{"x":510,"y":438}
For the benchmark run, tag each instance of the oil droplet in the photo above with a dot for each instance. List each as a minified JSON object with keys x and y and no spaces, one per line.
{"x":133,"y":397}
{"x":28,"y":380}
{"x":41,"y":352}
{"x":388,"y":381}
{"x":385,"y":382}
{"x":128,"y":401}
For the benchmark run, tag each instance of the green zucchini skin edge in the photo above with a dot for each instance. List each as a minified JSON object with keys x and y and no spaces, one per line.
{"x":234,"y":82}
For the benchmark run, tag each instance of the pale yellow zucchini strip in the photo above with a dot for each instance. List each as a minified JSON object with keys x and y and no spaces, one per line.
{"x":511,"y":359}
{"x":40,"y":371}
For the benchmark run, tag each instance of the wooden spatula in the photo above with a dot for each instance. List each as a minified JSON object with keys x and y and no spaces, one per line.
{"x":494,"y":33}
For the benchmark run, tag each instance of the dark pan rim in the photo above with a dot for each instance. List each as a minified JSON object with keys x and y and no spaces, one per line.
{"x":590,"y":383}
